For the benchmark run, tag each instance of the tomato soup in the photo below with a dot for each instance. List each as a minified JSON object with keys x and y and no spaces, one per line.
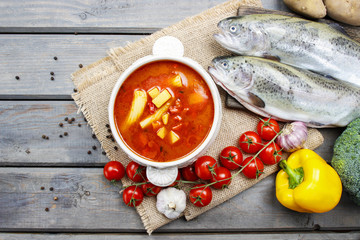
{"x":164,"y":110}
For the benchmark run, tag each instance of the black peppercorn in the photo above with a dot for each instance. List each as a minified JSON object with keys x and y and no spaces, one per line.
{"x":47,"y":138}
{"x":75,"y":90}
{"x":94,"y":147}
{"x":65,"y":119}
{"x":103,"y":153}
{"x":80,"y":65}
{"x":94,"y":136}
{"x":65,"y":133}
{"x":55,"y":58}
{"x":46,"y":209}
{"x":52,"y":78}
{"x":107,"y":125}
{"x":89,"y":152}
{"x":43,"y":136}
{"x":17,"y":77}
{"x":51,"y":189}
{"x":42,"y":188}
{"x":73,"y":119}
{"x":116,"y":148}
{"x":52,"y":73}
{"x":69,"y":121}
{"x":109,"y":130}
{"x":60,"y":136}
{"x":79,"y":124}
{"x":61,"y":124}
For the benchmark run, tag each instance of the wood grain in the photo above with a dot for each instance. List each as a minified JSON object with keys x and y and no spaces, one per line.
{"x":222,"y":236}
{"x":31,"y":57}
{"x":96,"y":15}
{"x":22,"y":124}
{"x":88,"y":203}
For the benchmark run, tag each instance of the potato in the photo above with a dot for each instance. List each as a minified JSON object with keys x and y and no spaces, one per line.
{"x":308,"y":8}
{"x":346,"y":11}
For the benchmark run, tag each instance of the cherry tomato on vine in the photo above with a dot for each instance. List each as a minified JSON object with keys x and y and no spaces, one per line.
{"x":205,"y":167}
{"x":136,"y":172}
{"x":254,"y":169}
{"x":133,"y":196}
{"x":250,"y":142}
{"x":271,"y":154}
{"x":200,"y":196}
{"x":178,"y":178}
{"x":267,"y":128}
{"x":114,"y":171}
{"x":188,"y":173}
{"x":221,"y":174}
{"x":150,"y":189}
{"x":231,"y":157}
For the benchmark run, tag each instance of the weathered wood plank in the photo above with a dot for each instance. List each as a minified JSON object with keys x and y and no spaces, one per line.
{"x":88,"y":203}
{"x":22,"y":124}
{"x":118,"y":16}
{"x":239,"y":236}
{"x":31,"y":57}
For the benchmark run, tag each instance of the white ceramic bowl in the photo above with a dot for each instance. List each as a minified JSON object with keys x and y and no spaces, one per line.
{"x":165,"y":173}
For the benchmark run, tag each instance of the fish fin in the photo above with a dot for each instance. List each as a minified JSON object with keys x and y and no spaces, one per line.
{"x":255,"y":100}
{"x":270,"y":57}
{"x":339,"y":28}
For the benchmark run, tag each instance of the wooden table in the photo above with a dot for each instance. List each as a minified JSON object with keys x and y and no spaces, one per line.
{"x":52,"y":185}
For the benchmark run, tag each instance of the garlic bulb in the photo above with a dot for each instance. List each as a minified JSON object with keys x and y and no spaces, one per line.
{"x":171,"y":202}
{"x":293,"y":136}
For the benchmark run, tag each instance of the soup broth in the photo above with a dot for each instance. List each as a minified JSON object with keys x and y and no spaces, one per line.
{"x":164,"y":110}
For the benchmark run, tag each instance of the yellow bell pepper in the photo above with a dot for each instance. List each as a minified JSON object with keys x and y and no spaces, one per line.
{"x":307,"y":183}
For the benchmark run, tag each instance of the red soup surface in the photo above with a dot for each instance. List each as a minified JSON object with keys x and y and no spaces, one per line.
{"x":164,"y":110}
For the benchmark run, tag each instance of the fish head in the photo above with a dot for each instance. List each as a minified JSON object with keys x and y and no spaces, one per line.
{"x":232,"y":73}
{"x":241,"y":36}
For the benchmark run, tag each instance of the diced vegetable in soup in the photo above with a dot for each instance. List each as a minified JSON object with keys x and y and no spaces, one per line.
{"x":164,"y":111}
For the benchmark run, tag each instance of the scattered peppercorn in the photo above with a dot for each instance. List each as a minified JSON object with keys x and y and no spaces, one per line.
{"x":107,"y":136}
{"x":52,"y":73}
{"x":17,"y":77}
{"x":65,"y":133}
{"x":69,"y":121}
{"x":75,"y":90}
{"x":94,"y":136}
{"x":27,"y":151}
{"x":60,"y":136}
{"x":52,"y":78}
{"x":46,"y":209}
{"x":51,"y":189}
{"x":109,"y":130}
{"x":42,"y":188}
{"x":55,"y":198}
{"x":79,"y":124}
{"x":55,"y":58}
{"x":116,"y":148}
{"x":66,"y":118}
{"x":103,"y":153}
{"x":43,"y":136}
{"x":61,"y":124}
{"x":94,"y":147}
{"x":89,"y":152}
{"x":73,"y":119}
{"x":47,"y":138}
{"x":113,"y":140}
{"x":107,"y":125}
{"x":85,"y":119}
{"x":87,"y":193}
{"x":80,"y":65}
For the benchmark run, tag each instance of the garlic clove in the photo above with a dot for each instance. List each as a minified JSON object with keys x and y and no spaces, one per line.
{"x":171,"y":202}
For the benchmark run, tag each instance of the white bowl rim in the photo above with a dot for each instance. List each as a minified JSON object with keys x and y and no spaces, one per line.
{"x":217,"y":110}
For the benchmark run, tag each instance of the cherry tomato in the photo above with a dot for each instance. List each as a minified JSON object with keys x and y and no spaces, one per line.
{"x":231,"y":157}
{"x":178,"y":177}
{"x":250,"y":142}
{"x":200,"y":196}
{"x":205,"y":167}
{"x":150,"y":189}
{"x":267,"y":128}
{"x":221,"y":174}
{"x":114,"y":171}
{"x":136,"y":172}
{"x":271,"y":154}
{"x":133,"y":196}
{"x":189,"y":174}
{"x":254,"y":169}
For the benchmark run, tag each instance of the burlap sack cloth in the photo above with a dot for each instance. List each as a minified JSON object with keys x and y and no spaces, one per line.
{"x":95,"y":83}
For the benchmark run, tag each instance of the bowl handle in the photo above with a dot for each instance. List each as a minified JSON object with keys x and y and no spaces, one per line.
{"x":168,"y":46}
{"x":161,"y":177}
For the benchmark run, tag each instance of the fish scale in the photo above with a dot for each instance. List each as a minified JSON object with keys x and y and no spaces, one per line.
{"x":295,"y":41}
{"x":286,"y":93}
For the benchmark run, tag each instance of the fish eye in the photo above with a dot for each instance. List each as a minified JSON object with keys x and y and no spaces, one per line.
{"x":225,"y":64}
{"x":232,"y":29}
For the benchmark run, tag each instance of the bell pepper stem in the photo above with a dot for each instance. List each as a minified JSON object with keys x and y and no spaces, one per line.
{"x":296,"y":176}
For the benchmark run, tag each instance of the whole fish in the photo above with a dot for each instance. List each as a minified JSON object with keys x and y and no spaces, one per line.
{"x":270,"y":88}
{"x":295,"y":41}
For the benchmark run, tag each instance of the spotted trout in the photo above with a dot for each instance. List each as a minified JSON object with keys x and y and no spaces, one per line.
{"x":286,"y":93}
{"x":295,"y":41}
